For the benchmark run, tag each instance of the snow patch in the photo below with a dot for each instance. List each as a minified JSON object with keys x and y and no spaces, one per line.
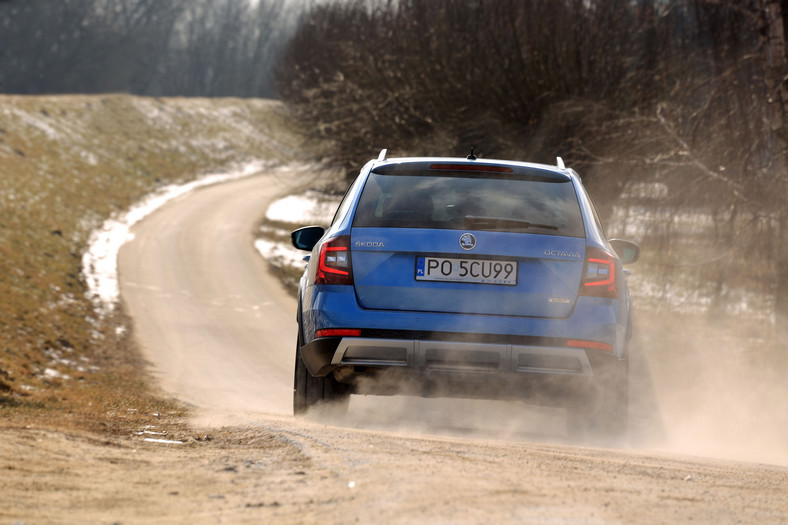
{"x":279,"y":254}
{"x":309,"y":207}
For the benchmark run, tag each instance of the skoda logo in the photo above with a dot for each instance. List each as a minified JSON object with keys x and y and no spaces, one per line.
{"x":467,"y":241}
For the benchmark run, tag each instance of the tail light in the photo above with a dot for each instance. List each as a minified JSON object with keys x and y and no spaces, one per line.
{"x":599,"y":274}
{"x":471,"y":167}
{"x":582,"y":343}
{"x":333,"y":263}
{"x":338,"y":332}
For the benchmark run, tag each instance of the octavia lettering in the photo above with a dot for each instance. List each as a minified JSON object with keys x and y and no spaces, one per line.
{"x":562,"y":253}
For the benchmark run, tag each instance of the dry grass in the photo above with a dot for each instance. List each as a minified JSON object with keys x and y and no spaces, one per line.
{"x":67,"y":163}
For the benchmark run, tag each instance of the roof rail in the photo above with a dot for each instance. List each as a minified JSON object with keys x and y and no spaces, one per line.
{"x":382,"y":155}
{"x":560,"y":163}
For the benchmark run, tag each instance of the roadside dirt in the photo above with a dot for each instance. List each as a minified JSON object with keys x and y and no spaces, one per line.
{"x":282,"y":470}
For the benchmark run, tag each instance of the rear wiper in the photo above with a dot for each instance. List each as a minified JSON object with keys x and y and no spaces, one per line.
{"x":501,"y":223}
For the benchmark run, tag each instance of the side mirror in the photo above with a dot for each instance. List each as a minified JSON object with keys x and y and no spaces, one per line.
{"x":305,"y":238}
{"x":628,"y":252}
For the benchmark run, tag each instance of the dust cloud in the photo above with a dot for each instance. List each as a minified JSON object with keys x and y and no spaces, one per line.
{"x":474,"y":418}
{"x":720,"y":392}
{"x":693,"y":392}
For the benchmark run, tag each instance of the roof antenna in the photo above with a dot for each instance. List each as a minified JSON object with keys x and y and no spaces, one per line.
{"x":471,"y":156}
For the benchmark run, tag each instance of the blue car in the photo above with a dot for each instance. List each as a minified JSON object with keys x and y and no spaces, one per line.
{"x":465,"y":277}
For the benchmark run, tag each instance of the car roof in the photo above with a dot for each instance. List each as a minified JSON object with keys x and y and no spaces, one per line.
{"x":494,"y":167}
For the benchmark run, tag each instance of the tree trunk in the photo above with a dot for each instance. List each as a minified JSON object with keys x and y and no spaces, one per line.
{"x":774,"y":46}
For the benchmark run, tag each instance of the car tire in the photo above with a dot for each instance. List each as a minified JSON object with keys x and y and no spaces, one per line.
{"x":310,"y":391}
{"x":604,"y":415}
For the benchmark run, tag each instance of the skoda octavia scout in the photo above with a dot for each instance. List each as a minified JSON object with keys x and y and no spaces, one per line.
{"x":466,"y":277}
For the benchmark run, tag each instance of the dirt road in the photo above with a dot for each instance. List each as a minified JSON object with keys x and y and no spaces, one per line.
{"x":218,"y":328}
{"x":218,"y":332}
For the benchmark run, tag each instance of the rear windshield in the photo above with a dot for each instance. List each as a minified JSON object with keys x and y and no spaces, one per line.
{"x":470,"y":202}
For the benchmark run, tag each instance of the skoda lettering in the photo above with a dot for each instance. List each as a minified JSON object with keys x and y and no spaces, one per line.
{"x":369,"y":244}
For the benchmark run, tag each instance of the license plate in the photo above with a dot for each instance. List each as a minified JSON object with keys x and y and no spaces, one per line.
{"x":481,"y":271}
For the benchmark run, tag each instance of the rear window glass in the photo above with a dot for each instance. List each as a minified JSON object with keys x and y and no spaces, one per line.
{"x":477,"y":203}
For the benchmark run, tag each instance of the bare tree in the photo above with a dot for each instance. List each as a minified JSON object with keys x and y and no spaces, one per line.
{"x":773,"y":20}
{"x":171,"y":47}
{"x":448,"y":73}
{"x":226,"y":48}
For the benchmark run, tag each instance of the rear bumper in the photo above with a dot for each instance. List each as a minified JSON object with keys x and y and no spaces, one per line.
{"x":458,"y":368}
{"x":450,"y":356}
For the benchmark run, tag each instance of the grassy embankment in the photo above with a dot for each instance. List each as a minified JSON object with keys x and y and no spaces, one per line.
{"x":67,"y":163}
